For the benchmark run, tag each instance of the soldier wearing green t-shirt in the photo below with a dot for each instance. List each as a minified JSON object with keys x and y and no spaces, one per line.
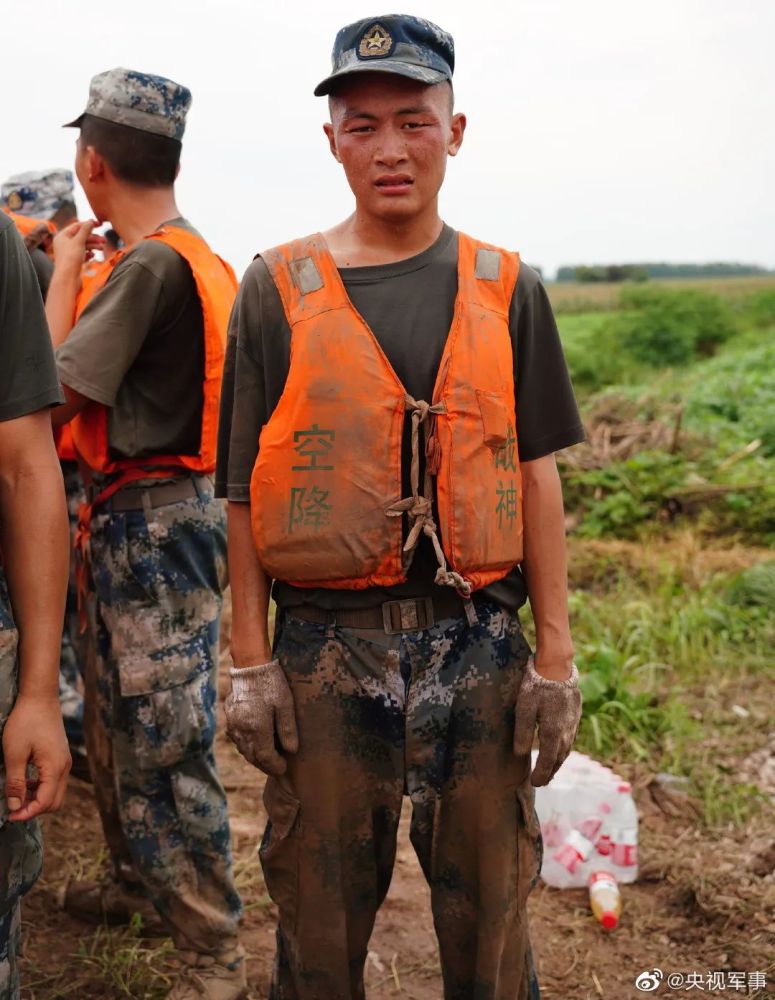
{"x":34,"y":545}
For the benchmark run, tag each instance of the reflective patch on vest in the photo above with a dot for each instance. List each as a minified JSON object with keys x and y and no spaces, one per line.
{"x":306,"y":276}
{"x":488,"y":265}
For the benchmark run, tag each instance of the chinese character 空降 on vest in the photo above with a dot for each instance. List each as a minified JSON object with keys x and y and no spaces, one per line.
{"x":326,"y":496}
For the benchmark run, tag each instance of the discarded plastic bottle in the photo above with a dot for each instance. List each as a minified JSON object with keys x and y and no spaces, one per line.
{"x":605,"y":899}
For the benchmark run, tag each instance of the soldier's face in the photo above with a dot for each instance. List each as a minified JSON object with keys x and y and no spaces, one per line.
{"x":393,"y":135}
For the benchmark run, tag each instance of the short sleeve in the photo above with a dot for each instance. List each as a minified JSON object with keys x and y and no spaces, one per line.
{"x":547,"y":415}
{"x":28,"y":378}
{"x":254,"y":376}
{"x":110,"y":332}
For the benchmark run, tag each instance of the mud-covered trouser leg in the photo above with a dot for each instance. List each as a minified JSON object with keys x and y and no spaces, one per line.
{"x":158,"y":578}
{"x":474,"y":825}
{"x":21,"y":849}
{"x":72,"y":649}
{"x":431,"y":713}
{"x":329,"y":846}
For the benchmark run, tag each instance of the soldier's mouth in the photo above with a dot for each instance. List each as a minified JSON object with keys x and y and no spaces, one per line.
{"x":394,"y":183}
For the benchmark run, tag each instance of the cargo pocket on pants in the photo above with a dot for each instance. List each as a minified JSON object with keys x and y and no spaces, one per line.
{"x":164,"y":727}
{"x":530,"y":844}
{"x":279,"y":851}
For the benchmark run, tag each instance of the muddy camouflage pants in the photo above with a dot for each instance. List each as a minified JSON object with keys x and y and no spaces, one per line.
{"x":21,"y":850}
{"x":151,"y":691}
{"x":429,"y":714}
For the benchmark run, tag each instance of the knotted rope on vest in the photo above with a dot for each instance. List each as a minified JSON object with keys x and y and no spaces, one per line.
{"x":419,"y":506}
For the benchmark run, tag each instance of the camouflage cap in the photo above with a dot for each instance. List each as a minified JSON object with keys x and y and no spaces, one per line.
{"x":38,"y":193}
{"x":393,"y":43}
{"x":143,"y":101}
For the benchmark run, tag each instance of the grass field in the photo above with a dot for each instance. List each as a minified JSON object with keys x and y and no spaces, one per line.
{"x":571,"y":297}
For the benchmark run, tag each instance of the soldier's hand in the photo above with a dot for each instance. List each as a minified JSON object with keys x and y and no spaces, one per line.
{"x":555,"y":707}
{"x":35,"y":734}
{"x":76,"y":244}
{"x":259,"y":705}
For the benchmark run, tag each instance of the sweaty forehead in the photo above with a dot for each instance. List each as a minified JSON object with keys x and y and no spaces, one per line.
{"x":385,"y":93}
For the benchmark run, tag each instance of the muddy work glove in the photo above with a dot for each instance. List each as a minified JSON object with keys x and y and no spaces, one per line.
{"x":260,"y":705}
{"x":555,"y":707}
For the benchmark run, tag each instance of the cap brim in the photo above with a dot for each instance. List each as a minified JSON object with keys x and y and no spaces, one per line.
{"x":76,"y":123}
{"x":425,"y":74}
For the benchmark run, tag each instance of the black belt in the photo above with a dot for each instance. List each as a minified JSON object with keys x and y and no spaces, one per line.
{"x":412,"y":615}
{"x":139,"y":498}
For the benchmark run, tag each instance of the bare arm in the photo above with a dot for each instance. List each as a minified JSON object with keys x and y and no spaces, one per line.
{"x":545,"y":566}
{"x":72,"y":247}
{"x":35,"y":543}
{"x":74,"y":403}
{"x":250,"y":587}
{"x":60,"y":301}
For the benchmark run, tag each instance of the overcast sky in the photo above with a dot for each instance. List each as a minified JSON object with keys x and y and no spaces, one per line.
{"x":598,"y":131}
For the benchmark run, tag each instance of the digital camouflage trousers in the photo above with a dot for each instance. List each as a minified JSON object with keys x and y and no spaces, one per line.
{"x":426,"y":714}
{"x":158,"y":576}
{"x":21,"y":849}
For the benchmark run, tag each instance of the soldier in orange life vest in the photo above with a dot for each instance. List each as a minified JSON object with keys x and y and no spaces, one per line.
{"x":394,"y":393}
{"x":139,"y":352}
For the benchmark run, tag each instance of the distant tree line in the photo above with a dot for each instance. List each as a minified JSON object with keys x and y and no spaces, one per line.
{"x":642,"y":272}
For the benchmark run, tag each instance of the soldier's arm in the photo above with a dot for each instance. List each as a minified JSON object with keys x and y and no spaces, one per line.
{"x":250,"y":589}
{"x":35,"y":540}
{"x":545,"y":566}
{"x":71,"y":246}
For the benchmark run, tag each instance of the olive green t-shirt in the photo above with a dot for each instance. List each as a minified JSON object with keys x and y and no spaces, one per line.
{"x":138,"y":348}
{"x":408,"y":305}
{"x":28,"y":377}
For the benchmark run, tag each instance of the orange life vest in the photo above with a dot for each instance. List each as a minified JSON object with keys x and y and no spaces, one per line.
{"x":26,"y":223}
{"x":216,"y":286}
{"x":326,"y":490}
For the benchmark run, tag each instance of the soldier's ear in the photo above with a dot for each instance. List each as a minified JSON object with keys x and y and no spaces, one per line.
{"x":328,"y":128}
{"x":94,"y":163}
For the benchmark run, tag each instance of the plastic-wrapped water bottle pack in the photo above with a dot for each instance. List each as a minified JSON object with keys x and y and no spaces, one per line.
{"x":589,"y":824}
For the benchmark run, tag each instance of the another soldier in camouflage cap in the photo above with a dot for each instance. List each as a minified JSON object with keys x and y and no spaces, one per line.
{"x":41,"y":194}
{"x":385,"y":448}
{"x":33,"y":539}
{"x":40,"y":202}
{"x":140,"y":351}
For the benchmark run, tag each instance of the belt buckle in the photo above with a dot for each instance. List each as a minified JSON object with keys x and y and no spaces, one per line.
{"x":413,"y":614}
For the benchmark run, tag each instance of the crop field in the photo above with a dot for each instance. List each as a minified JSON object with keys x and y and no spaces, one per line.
{"x":671,"y":522}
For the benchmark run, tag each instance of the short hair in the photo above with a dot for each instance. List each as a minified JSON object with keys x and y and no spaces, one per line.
{"x":134,"y":156}
{"x":65,"y":214}
{"x":112,"y":239}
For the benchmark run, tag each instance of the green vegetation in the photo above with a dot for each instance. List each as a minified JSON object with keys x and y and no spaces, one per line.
{"x":694,"y":435}
{"x":673,"y":620}
{"x":641,"y":272}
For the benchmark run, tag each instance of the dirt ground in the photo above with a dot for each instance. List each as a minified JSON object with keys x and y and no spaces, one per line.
{"x":703,"y":903}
